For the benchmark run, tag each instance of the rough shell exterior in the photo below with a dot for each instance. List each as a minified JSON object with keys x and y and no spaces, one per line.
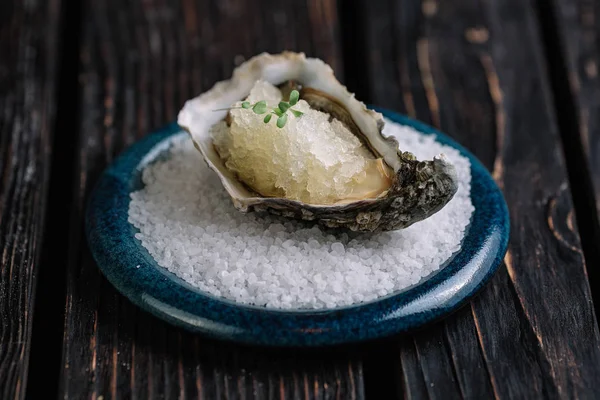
{"x":420,"y":188}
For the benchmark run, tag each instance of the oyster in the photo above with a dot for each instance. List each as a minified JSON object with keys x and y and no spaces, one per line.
{"x":332,"y":164}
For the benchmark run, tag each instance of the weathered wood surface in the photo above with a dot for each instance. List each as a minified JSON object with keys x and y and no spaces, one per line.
{"x":578,"y":47}
{"x":28,"y":44}
{"x":476,"y":69}
{"x":572,"y":33}
{"x":140,"y":60}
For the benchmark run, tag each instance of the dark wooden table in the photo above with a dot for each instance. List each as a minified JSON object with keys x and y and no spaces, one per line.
{"x":516,"y":81}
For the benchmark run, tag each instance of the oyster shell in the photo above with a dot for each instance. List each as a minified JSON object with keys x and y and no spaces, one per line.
{"x":417,"y":189}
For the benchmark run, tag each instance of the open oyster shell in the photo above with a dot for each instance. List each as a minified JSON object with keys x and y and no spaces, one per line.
{"x":418,"y":189}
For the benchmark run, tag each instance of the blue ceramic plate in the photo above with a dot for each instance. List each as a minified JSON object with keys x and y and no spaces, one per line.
{"x":118,"y":253}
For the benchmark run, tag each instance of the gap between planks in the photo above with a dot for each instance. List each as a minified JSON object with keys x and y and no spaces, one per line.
{"x":49,"y":311}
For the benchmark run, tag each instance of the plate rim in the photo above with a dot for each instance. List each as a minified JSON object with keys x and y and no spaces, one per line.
{"x":154,"y":289}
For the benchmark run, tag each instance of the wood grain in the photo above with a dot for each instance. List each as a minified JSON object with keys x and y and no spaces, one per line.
{"x":28,"y":44}
{"x":578,"y":30}
{"x":476,"y":69}
{"x":140,"y":60}
{"x":571,"y":32}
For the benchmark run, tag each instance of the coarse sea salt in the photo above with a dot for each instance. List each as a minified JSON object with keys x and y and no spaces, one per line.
{"x":187,"y":223}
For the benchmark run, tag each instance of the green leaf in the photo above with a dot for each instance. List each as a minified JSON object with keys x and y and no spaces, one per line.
{"x":277,"y":111}
{"x":267,"y":118}
{"x":297,"y":113}
{"x":246,"y":104}
{"x":281,"y":121}
{"x":283,"y":106}
{"x":294,"y":96}
{"x":260,"y":107}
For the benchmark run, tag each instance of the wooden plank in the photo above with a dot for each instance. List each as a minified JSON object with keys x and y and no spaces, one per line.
{"x":578,"y":28}
{"x":571,"y":44}
{"x":28,"y":44}
{"x":140,"y":61}
{"x":476,"y":69}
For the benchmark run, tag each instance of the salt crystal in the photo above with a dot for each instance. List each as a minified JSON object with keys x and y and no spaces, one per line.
{"x":338,"y":248}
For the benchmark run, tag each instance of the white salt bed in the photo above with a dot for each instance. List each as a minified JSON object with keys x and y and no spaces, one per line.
{"x":188,"y":224}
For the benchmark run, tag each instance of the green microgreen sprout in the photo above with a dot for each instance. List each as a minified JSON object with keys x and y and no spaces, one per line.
{"x":281,"y":121}
{"x":260,"y":107}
